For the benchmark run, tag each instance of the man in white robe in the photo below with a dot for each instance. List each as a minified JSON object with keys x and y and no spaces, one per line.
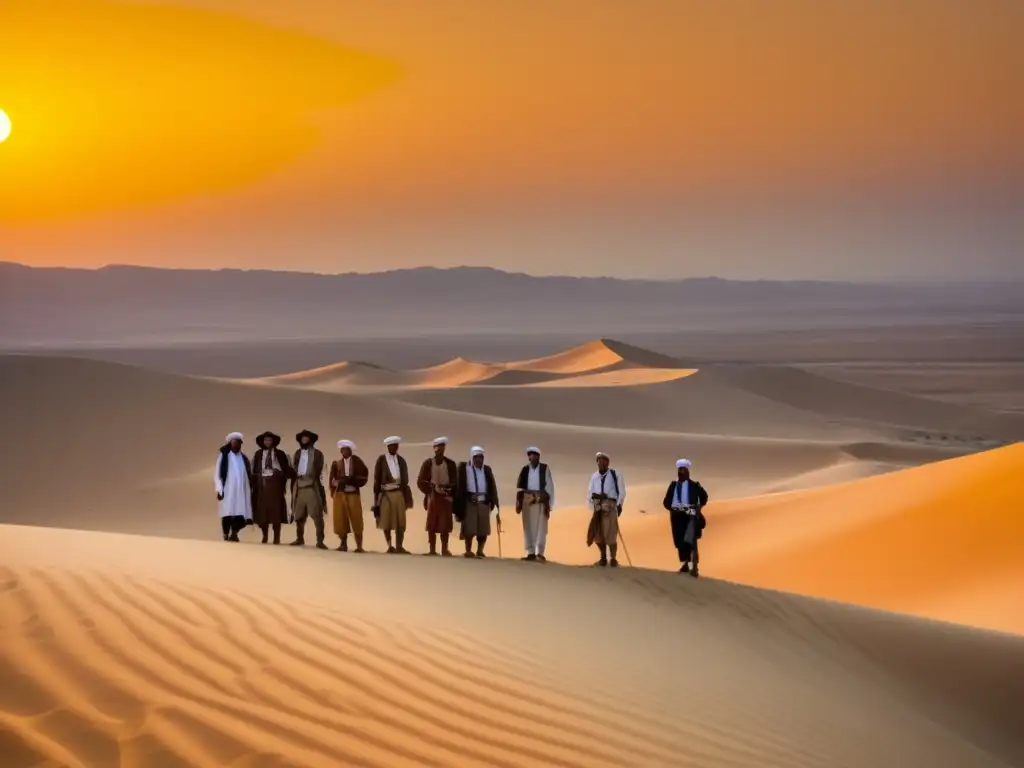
{"x":535,"y":498}
{"x":231,"y":475}
{"x":606,"y":494}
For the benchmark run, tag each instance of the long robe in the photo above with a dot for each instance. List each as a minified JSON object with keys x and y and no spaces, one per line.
{"x":269,"y":506}
{"x":390,"y":505}
{"x":686,"y":528}
{"x":535,"y":495}
{"x":237,"y":492}
{"x":474,"y":514}
{"x":439,"y":505}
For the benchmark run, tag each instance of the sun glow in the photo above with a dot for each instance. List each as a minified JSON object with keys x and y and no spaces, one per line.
{"x":5,"y":126}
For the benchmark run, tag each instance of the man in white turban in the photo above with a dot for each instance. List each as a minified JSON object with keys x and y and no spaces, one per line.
{"x":437,"y":480}
{"x":392,"y":494}
{"x":231,"y":474}
{"x":348,"y":474}
{"x":606,"y":495}
{"x":475,"y":498}
{"x":685,"y":500}
{"x":535,"y":498}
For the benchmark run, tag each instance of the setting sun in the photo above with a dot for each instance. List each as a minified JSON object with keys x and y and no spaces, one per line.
{"x":5,"y":126}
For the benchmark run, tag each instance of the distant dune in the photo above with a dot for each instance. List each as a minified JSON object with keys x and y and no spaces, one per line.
{"x":122,"y":650}
{"x":589,"y":364}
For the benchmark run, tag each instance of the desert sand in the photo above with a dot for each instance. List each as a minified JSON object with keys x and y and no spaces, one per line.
{"x":131,"y":635}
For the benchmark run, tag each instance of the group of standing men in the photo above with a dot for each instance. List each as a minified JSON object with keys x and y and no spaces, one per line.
{"x":255,"y":494}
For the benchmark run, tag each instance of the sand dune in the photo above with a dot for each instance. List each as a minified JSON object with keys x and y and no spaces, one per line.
{"x":115,"y":652}
{"x":944,"y":540}
{"x":567,"y":368}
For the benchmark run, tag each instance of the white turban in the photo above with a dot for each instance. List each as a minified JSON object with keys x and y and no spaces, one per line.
{"x":393,"y":440}
{"x":683,"y":463}
{"x":602,"y":454}
{"x":533,"y":449}
{"x":233,"y":436}
{"x":476,"y":450}
{"x":440,"y":441}
{"x":346,"y":444}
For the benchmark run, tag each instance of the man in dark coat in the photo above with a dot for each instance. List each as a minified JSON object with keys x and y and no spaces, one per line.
{"x":685,"y":500}
{"x":436,"y":481}
{"x":392,"y":496}
{"x":270,"y":475}
{"x":476,"y":496}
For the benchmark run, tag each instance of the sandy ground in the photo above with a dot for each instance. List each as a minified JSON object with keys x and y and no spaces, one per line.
{"x":139,"y":651}
{"x":159,"y":650}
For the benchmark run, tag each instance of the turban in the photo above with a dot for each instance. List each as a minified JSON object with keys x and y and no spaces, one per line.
{"x":602,"y":455}
{"x":346,"y":444}
{"x":233,"y":436}
{"x":393,"y":440}
{"x":476,"y":451}
{"x":440,"y":441}
{"x":683,"y":463}
{"x":533,"y":449}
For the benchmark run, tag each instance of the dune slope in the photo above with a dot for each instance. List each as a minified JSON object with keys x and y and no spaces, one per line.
{"x":944,"y":540}
{"x":149,"y":652}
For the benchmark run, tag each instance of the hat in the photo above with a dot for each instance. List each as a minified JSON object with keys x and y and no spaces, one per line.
{"x":313,"y":436}
{"x":533,"y":449}
{"x":440,"y":441}
{"x":233,"y":436}
{"x":683,"y":463}
{"x":602,"y":455}
{"x":476,"y":450}
{"x":346,"y":444}
{"x":275,"y":439}
{"x":393,"y":440}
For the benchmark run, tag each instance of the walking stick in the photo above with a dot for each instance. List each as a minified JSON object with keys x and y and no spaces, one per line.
{"x":625,"y":548}
{"x":499,"y":536}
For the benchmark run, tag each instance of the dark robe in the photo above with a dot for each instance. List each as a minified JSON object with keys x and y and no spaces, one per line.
{"x":462,"y":490}
{"x":268,"y":493}
{"x":698,"y":498}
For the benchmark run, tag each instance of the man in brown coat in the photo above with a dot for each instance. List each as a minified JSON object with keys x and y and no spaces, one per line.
{"x":475,"y":499}
{"x":308,"y":496}
{"x":348,"y":474}
{"x":392,"y":494}
{"x":437,"y":480}
{"x":270,"y":475}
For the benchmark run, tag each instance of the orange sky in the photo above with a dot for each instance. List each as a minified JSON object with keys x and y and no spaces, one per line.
{"x":341,"y":134}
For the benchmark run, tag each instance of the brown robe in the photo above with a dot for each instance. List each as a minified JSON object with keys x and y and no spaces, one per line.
{"x":360,"y":475}
{"x":438,"y":504}
{"x":268,"y":502}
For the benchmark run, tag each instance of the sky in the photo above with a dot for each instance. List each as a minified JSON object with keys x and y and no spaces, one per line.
{"x":846,"y":139}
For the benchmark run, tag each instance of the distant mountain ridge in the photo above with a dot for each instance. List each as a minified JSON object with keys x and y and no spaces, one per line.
{"x":116,"y":304}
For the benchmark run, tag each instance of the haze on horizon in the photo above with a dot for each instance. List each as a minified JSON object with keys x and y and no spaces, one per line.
{"x":853,"y":141}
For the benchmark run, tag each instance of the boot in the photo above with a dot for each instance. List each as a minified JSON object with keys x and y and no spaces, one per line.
{"x":300,"y":535}
{"x":277,"y":533}
{"x":265,"y":533}
{"x":359,"y":544}
{"x":319,"y":525}
{"x":399,"y":540}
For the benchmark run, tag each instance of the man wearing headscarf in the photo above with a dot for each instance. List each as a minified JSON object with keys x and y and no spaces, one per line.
{"x":685,"y":500}
{"x":231,"y":473}
{"x":437,"y":480}
{"x":606,"y":495}
{"x":475,"y":498}
{"x":392,"y":494}
{"x":535,"y":498}
{"x":270,"y":473}
{"x":309,"y":499}
{"x":348,"y":474}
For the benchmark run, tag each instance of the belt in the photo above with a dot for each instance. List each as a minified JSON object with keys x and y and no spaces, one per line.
{"x":479,"y":498}
{"x":391,"y":487}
